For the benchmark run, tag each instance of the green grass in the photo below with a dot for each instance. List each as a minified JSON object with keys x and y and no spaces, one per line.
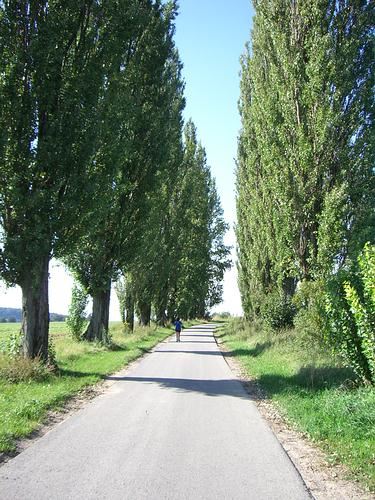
{"x":315,"y":393}
{"x":24,"y":405}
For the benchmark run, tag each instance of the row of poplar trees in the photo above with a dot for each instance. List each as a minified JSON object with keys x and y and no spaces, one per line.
{"x":179,"y":268}
{"x":94,"y":167}
{"x":305,"y":177}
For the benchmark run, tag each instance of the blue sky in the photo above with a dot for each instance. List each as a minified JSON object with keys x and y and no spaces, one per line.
{"x":210,"y":36}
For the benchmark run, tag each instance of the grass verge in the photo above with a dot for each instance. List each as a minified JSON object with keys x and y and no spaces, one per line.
{"x":23,"y":405}
{"x":314,"y":392}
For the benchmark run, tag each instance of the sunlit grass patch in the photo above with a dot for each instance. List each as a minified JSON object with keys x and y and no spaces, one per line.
{"x":19,"y":369}
{"x":315,"y":393}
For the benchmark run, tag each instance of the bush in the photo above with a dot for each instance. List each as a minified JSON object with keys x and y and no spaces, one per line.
{"x":12,"y":345}
{"x":310,"y":318}
{"x":76,"y":319}
{"x":278,"y":310}
{"x":350,"y":308}
{"x":223,"y":315}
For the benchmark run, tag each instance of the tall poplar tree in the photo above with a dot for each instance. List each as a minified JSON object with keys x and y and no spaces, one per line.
{"x":53,"y":63}
{"x":138,"y":123}
{"x":153,"y":262}
{"x":197,"y":232}
{"x":305,"y":182}
{"x":180,"y":267}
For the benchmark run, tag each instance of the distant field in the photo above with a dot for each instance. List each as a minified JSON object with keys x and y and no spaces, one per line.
{"x":8,"y":328}
{"x":55,"y":328}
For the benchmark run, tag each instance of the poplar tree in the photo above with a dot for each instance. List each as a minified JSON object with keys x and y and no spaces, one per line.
{"x":152,"y":265}
{"x":180,"y":267}
{"x":53,"y":62}
{"x":138,"y":124}
{"x":125,"y":294}
{"x":197,"y":231}
{"x":220,"y":260}
{"x":305,"y":182}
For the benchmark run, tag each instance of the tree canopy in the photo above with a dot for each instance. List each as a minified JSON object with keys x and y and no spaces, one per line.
{"x":91,"y":155}
{"x":305,"y":184}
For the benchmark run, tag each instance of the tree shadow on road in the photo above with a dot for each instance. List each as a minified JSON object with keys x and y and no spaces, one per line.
{"x":186,"y":334}
{"x":221,"y":387}
{"x":196,"y":341}
{"x":193,"y":330}
{"x":212,"y":353}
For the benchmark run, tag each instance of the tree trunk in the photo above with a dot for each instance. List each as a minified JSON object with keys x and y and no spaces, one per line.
{"x":35,"y":314}
{"x":145,"y":313}
{"x":161,"y":316}
{"x":202,"y":311}
{"x":161,"y":301}
{"x":129,"y":307}
{"x":97,"y":329}
{"x":303,"y":252}
{"x":122,"y":311}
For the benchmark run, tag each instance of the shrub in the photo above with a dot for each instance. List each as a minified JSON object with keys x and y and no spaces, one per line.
{"x":223,"y":315}
{"x":278,"y":310}
{"x":237,"y":325}
{"x":12,"y":345}
{"x":52,"y":361}
{"x":310,"y":317}
{"x":76,"y":319}
{"x":350,"y":308}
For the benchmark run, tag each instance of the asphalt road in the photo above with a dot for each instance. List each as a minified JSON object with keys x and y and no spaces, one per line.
{"x":176,"y":426}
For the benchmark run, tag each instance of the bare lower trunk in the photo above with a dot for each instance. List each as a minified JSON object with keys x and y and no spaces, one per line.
{"x":201,"y":310}
{"x":97,"y":329}
{"x":145,"y":313}
{"x":161,"y":304}
{"x":129,"y":306}
{"x":161,"y":317}
{"x":303,"y":252}
{"x":123,"y":312}
{"x":35,"y":314}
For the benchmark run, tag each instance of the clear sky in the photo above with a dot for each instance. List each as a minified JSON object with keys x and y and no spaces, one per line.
{"x":210,"y":36}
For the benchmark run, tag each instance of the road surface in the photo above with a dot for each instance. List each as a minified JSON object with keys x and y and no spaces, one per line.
{"x":176,"y":426}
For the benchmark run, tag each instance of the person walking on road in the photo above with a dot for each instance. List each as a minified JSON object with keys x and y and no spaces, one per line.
{"x":178,"y":327}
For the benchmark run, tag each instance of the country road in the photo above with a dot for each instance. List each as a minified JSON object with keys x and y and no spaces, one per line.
{"x":178,"y":425}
